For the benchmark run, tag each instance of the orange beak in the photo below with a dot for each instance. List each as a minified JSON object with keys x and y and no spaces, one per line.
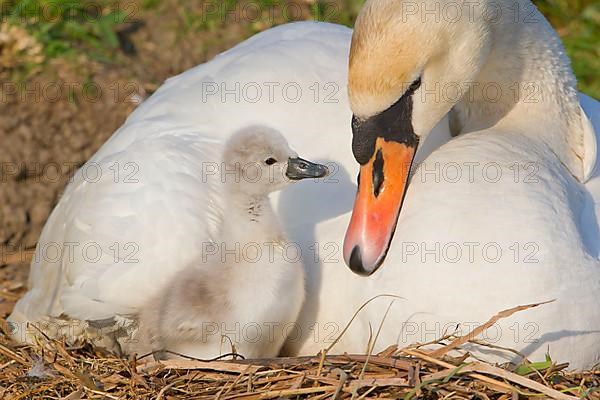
{"x":381,"y":189}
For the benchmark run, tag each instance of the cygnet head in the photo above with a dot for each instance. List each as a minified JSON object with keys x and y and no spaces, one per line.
{"x":258,"y":161}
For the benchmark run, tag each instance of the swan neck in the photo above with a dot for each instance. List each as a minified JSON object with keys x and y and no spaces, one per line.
{"x":526,"y":84}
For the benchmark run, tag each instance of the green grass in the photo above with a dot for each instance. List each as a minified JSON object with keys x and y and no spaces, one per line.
{"x":578,"y":23}
{"x":65,"y":27}
{"x":257,"y":15}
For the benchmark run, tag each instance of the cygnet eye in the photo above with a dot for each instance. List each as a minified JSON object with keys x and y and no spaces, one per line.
{"x":270,"y":161}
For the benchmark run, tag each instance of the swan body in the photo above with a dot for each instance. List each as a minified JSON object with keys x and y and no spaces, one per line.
{"x":170,"y":135}
{"x":217,"y":296}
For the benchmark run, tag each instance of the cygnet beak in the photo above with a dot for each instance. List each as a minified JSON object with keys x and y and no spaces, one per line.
{"x":299,"y":168}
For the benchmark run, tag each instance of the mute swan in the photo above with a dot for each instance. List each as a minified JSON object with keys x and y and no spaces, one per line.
{"x":396,"y":103}
{"x":299,"y":71}
{"x":529,"y":226}
{"x":218,"y":294}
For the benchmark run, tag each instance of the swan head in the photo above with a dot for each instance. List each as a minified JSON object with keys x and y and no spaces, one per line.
{"x":258,"y":161}
{"x":402,"y":55}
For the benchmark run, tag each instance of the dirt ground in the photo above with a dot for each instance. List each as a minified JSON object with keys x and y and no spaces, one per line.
{"x":53,"y":121}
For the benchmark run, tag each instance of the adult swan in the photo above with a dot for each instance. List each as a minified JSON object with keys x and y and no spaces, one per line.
{"x":493,"y":218}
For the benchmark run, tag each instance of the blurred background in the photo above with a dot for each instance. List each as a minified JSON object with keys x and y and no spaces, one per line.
{"x":71,"y":71}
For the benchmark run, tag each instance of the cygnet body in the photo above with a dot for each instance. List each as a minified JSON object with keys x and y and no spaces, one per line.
{"x":245,"y":294}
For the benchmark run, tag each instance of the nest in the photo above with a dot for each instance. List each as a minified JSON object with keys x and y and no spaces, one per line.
{"x":51,"y":369}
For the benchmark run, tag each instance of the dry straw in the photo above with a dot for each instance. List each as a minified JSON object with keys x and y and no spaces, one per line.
{"x":52,"y":370}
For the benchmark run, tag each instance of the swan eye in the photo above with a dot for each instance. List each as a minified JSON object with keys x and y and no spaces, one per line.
{"x":415,"y":85}
{"x":270,"y":161}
